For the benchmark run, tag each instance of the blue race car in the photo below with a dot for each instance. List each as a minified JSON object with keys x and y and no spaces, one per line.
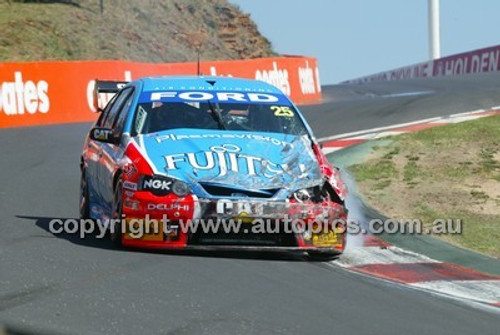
{"x":209,"y":162}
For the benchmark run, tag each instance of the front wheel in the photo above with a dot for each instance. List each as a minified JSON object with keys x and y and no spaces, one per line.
{"x":115,"y":227}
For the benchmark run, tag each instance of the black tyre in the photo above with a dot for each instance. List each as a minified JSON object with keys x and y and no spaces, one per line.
{"x":115,"y":233}
{"x":322,"y":256}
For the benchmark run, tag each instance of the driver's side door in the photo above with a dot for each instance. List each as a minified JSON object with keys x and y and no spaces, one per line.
{"x":112,"y":153}
{"x":93,"y":155}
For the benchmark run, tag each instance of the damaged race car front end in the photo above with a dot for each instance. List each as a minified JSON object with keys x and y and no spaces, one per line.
{"x":229,"y":167}
{"x":296,"y":207}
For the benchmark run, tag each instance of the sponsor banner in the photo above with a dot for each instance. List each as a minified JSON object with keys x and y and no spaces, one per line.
{"x":421,"y":70}
{"x":40,"y":93}
{"x":477,"y":61}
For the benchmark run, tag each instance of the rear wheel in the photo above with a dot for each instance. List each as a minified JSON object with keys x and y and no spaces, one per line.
{"x":84,"y":197}
{"x":115,"y":233}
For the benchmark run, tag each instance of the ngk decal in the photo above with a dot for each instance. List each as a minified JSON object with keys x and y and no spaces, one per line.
{"x":19,"y":97}
{"x":275,"y":77}
{"x":103,"y":98}
{"x":306,"y":79}
{"x":155,"y":184}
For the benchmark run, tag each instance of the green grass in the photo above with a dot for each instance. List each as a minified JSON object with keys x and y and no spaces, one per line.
{"x":444,"y":172}
{"x":480,"y":232}
{"x":455,"y":172}
{"x":375,"y":171}
{"x":411,"y":171}
{"x":482,"y":130}
{"x":384,"y":183}
{"x":488,"y":163}
{"x":479,"y":196}
{"x":394,"y":151}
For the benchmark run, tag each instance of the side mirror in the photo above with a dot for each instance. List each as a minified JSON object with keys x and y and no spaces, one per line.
{"x":104,"y":135}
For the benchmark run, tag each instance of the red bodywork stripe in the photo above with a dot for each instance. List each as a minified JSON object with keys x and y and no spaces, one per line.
{"x":133,"y":153}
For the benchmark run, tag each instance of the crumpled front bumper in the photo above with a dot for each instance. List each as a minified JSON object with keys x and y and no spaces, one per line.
{"x":212,"y":224}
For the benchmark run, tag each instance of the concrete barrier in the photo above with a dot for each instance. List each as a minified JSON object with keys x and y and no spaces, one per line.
{"x":477,"y":61}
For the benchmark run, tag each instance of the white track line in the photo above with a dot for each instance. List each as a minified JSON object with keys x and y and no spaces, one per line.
{"x":376,"y":255}
{"x":375,"y":130}
{"x":487,"y":291}
{"x":401,"y":125}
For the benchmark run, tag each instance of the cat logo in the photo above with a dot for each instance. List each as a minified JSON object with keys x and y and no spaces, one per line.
{"x":101,"y":134}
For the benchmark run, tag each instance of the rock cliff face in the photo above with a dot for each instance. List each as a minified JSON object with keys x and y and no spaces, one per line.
{"x":240,"y":34}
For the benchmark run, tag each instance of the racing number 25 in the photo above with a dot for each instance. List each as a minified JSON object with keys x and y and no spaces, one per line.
{"x":282,"y":111}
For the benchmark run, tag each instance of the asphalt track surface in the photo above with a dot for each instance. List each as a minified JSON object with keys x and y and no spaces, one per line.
{"x":63,"y":284}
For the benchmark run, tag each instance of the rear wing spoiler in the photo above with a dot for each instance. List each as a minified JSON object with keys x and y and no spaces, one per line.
{"x":106,"y":86}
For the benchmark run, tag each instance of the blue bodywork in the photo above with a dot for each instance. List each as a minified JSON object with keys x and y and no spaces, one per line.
{"x":270,"y":163}
{"x":252,"y":161}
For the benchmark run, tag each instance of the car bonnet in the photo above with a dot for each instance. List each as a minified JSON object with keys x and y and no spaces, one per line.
{"x":247,"y":160}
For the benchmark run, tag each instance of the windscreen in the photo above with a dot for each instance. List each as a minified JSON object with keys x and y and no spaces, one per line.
{"x":253,"y":116}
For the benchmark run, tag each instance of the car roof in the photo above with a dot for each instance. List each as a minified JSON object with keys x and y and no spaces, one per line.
{"x":209,"y":83}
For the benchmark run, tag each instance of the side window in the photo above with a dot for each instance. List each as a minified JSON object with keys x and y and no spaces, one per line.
{"x":123,"y":113}
{"x":140,"y":117}
{"x":105,"y":112}
{"x":109,"y":120}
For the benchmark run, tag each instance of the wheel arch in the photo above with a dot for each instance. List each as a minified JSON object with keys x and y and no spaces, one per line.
{"x":116,"y":178}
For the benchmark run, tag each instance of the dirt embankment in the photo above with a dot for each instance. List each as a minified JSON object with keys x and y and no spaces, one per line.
{"x":138,"y":30}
